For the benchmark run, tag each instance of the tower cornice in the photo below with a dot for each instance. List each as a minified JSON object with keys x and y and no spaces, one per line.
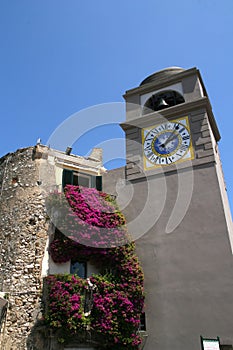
{"x":177,"y":110}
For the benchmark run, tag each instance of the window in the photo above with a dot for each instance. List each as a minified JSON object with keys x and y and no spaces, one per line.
{"x":82,"y":180}
{"x":79,"y":268}
{"x":75,"y":178}
{"x":142,"y":326}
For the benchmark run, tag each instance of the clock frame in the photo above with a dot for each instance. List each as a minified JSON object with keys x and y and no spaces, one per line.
{"x":167,"y":143}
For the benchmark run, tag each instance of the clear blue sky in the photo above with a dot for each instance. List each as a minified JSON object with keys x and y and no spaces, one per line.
{"x":60,"y":56}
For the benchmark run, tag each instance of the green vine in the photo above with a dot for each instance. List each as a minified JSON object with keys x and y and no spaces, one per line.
{"x":108,"y":304}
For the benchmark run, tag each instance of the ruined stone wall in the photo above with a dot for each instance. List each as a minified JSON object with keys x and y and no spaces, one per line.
{"x":23,"y":235}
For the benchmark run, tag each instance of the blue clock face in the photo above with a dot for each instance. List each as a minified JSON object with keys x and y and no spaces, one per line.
{"x":167,"y":143}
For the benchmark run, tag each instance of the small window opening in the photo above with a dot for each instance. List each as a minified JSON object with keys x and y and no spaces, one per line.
{"x":79,"y":268}
{"x":142,"y":326}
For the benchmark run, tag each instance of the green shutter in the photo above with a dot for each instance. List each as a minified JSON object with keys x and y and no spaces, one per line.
{"x":67,"y":177}
{"x":99,"y":183}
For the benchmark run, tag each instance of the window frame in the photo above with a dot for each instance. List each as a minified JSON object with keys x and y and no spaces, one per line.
{"x":85,"y":176}
{"x":84,"y":263}
{"x":95,"y":181}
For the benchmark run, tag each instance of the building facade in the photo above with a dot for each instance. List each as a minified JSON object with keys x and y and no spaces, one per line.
{"x":174,"y":178}
{"x":26,"y":177}
{"x":173,"y":195}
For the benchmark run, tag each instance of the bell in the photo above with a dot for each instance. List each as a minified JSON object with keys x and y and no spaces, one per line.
{"x":162,"y":104}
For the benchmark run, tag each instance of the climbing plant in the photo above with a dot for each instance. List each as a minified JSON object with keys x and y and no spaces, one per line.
{"x":116,"y":295}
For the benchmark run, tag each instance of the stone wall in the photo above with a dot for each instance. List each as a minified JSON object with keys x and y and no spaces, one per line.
{"x":23,"y":235}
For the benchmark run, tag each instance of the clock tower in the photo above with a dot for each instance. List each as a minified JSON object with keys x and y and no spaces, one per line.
{"x":173,"y":120}
{"x":177,"y":210}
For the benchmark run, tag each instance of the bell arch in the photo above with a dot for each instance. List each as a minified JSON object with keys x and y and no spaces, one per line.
{"x":162,"y":100}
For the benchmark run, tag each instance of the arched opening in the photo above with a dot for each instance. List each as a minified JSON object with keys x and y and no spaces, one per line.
{"x":162,"y":100}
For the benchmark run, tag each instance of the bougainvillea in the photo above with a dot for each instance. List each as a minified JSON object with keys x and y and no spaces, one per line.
{"x":88,"y":217}
{"x":117,"y":292}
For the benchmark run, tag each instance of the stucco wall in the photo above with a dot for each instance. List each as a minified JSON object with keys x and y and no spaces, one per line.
{"x":189,"y":271}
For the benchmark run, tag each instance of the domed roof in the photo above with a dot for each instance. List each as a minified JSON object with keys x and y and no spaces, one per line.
{"x":164,"y":73}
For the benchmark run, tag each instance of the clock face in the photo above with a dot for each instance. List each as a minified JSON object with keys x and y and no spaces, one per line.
{"x":167,"y":143}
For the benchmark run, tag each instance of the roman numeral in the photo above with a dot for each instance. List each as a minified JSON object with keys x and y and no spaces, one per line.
{"x":181,"y":130}
{"x":152,"y":158}
{"x":163,"y":126}
{"x":150,"y":138}
{"x":147,"y":147}
{"x":183,"y":147}
{"x":168,"y":160}
{"x":149,"y":154}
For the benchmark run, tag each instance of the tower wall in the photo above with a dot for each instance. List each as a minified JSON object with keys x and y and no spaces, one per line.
{"x":189,"y":271}
{"x":23,"y":235}
{"x":180,"y":212}
{"x":27,"y":177}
